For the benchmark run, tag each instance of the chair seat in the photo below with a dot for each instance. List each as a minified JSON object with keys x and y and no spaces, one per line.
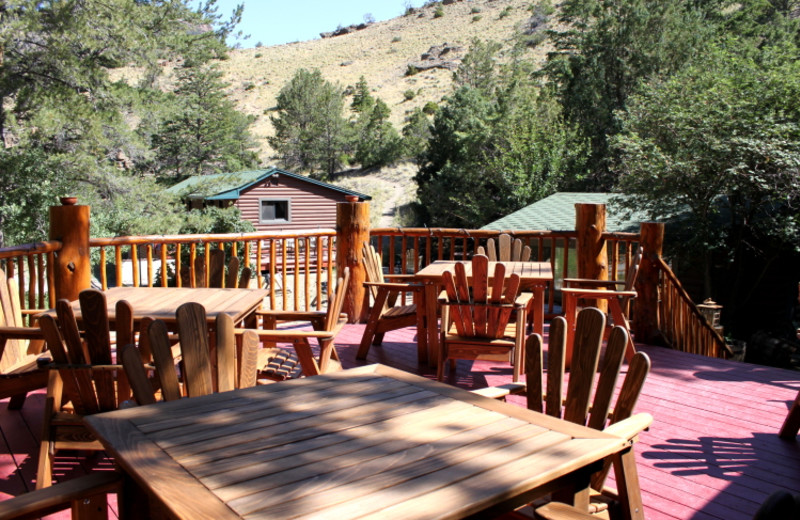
{"x":278,"y":364}
{"x":401,"y":311}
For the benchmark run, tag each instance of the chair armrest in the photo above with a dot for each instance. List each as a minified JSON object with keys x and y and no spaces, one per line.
{"x":631,"y":427}
{"x":21,"y":333}
{"x":291,"y":315}
{"x":597,"y":293}
{"x":396,"y":286}
{"x":501,"y":391}
{"x":59,"y":496}
{"x":523,"y":299}
{"x":288,"y":336}
{"x":596,"y":283}
{"x":399,"y":277}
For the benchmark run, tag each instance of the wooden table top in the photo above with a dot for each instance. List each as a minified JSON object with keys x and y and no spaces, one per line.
{"x":366,"y":442}
{"x":528,"y":271}
{"x":161,"y":302}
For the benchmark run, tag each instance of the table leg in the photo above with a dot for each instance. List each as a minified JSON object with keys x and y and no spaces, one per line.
{"x":538,"y":310}
{"x":431,"y":323}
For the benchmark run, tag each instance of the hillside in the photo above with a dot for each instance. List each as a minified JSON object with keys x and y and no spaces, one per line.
{"x":381,"y":53}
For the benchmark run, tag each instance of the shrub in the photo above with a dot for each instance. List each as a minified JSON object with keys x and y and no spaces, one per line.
{"x":412,"y":70}
{"x":396,"y":39}
{"x":430,"y":108}
{"x":475,"y":10}
{"x":505,"y":12}
{"x":439,"y":12}
{"x":477,"y":18}
{"x":409,"y":94}
{"x":258,"y":55}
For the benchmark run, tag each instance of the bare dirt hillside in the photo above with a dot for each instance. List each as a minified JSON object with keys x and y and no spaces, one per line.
{"x":382,"y":53}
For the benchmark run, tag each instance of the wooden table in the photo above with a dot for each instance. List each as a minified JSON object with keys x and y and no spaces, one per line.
{"x":161,"y":302}
{"x":534,"y":276}
{"x":370,"y":442}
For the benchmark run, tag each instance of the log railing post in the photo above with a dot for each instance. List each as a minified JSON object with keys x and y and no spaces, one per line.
{"x":645,"y":316}
{"x":590,"y":224}
{"x":352,"y":232}
{"x":69,"y":223}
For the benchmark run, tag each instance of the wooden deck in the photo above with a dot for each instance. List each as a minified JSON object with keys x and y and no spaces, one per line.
{"x":712,"y":452}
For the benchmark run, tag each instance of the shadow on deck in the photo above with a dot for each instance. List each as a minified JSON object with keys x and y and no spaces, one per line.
{"x":712,"y":453}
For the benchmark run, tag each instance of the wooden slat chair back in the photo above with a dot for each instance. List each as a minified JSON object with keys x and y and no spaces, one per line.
{"x":219,"y":275}
{"x":618,"y":294}
{"x":235,"y":368}
{"x":588,"y":396}
{"x":385,"y":314}
{"x":505,"y":249}
{"x":277,"y":364}
{"x":84,"y":378}
{"x":20,"y":348}
{"x":476,"y":316}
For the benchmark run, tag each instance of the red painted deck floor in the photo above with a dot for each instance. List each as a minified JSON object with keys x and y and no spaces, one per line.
{"x":712,"y":452}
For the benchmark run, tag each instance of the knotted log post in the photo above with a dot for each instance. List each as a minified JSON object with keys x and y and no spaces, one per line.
{"x":352,"y":232}
{"x":69,"y":223}
{"x":590,"y":223}
{"x":645,"y":316}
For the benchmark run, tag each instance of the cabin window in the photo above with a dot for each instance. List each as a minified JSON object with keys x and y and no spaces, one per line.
{"x":274,"y":211}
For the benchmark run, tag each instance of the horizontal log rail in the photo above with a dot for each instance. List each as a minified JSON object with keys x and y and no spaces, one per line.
{"x":295,"y":267}
{"x":32,"y":267}
{"x":681,"y":324}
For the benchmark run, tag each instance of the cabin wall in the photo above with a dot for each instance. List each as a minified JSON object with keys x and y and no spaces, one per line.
{"x":311,"y":206}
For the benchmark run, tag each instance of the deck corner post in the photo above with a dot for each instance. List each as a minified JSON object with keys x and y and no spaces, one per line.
{"x":352,"y":232}
{"x":645,"y":317}
{"x":590,"y":224}
{"x":69,"y":224}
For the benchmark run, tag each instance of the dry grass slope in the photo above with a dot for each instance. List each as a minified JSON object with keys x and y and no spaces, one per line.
{"x":381,"y":53}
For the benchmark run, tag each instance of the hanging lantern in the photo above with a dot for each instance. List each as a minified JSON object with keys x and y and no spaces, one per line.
{"x":711,"y":311}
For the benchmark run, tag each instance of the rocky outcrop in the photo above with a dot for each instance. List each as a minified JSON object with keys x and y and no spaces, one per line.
{"x":441,"y":56}
{"x":344,"y":30}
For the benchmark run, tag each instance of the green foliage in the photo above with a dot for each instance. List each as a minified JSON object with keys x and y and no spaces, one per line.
{"x":409,"y":94}
{"x":375,"y":141}
{"x":478,"y":68}
{"x":215,"y":220}
{"x":416,"y":134}
{"x":497,"y":144}
{"x":430,"y":108}
{"x":310,"y":130}
{"x":67,"y":126}
{"x":411,"y":70}
{"x":206,"y":134}
{"x":439,"y":12}
{"x":477,"y":18}
{"x":475,"y":10}
{"x":593,"y":78}
{"x":505,"y":12}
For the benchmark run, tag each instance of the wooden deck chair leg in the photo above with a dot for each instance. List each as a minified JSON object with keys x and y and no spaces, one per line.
{"x":372,"y":325}
{"x":627,"y":478}
{"x":570,"y":314}
{"x":44,"y":473}
{"x":791,"y":425}
{"x":306,"y":357}
{"x":17,"y":401}
{"x":422,"y":333}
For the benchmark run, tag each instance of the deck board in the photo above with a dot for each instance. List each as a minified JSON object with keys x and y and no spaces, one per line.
{"x":712,"y":453}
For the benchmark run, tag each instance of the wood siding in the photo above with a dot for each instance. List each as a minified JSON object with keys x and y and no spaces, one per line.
{"x":311,"y":206}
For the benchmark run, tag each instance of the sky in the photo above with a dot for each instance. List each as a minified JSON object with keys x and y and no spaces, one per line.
{"x":273,"y":22}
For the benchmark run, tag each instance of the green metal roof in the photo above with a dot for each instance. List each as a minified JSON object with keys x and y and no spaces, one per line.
{"x":557,"y":213}
{"x":229,"y":186}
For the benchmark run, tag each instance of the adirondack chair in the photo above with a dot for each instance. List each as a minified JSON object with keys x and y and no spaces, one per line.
{"x":218,"y":275}
{"x":584,"y":403}
{"x":84,"y":496}
{"x":20,"y":348}
{"x":232,"y":370}
{"x":83,"y":378}
{"x":505,"y":250}
{"x":618,"y":300}
{"x":277,"y":364}
{"x":386,"y":314}
{"x":476,"y":317}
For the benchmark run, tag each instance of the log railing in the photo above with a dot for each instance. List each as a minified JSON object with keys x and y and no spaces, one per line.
{"x":32,"y":267}
{"x":295,"y":267}
{"x":682,"y":326}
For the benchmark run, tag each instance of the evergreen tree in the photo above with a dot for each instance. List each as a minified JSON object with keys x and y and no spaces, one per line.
{"x":310,"y":130}
{"x":207,"y":134}
{"x":375,"y":141}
